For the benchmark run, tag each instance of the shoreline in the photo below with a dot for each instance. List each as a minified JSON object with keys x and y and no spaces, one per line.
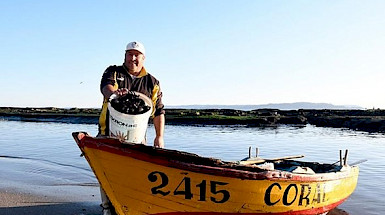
{"x":372,"y":120}
{"x":14,"y":202}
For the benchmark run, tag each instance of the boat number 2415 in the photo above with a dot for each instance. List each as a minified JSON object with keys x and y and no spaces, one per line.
{"x":185,"y":187}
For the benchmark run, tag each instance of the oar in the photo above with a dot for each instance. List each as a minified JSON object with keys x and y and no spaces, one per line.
{"x":261,"y":160}
{"x":358,"y":162}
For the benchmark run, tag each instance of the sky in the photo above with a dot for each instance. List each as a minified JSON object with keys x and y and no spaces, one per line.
{"x":221,"y":52}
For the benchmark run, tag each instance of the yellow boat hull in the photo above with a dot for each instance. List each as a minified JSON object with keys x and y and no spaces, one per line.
{"x":142,"y":180}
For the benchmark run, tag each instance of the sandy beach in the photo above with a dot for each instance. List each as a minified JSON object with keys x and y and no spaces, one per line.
{"x":17,"y":203}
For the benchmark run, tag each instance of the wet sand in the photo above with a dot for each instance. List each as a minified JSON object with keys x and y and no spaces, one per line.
{"x":16,"y":203}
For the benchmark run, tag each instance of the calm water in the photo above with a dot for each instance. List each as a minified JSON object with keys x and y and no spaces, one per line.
{"x":43,"y":158}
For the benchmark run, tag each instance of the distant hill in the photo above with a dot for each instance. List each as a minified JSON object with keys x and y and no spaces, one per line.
{"x":280,"y":106}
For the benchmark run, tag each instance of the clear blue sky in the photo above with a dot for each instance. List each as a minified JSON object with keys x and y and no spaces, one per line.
{"x":53,"y":53}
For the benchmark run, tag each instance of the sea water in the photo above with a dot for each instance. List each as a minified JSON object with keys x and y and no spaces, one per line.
{"x":43,"y":158}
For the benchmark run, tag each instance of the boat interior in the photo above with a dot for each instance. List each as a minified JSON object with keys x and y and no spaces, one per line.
{"x":252,"y":164}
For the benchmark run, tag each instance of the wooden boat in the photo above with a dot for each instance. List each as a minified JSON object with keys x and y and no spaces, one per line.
{"x":142,"y":179}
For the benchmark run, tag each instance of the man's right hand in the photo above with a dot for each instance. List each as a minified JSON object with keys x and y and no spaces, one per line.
{"x":108,"y":90}
{"x":121,"y":92}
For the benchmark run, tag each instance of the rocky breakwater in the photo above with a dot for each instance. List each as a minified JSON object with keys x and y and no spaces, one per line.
{"x":372,"y":120}
{"x":254,"y":118}
{"x":362,"y":120}
{"x":51,"y":114}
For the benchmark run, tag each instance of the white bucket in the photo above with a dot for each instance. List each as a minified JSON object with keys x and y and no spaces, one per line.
{"x":127,"y":127}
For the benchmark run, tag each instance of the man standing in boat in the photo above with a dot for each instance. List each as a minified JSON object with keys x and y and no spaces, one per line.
{"x":131,"y":76}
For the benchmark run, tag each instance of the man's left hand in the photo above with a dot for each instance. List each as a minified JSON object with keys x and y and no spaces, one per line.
{"x":159,"y":142}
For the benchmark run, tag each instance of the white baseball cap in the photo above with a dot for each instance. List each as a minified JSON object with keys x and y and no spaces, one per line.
{"x":136,"y":46}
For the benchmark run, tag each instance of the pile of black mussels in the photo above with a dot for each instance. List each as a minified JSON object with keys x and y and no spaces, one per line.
{"x":129,"y":103}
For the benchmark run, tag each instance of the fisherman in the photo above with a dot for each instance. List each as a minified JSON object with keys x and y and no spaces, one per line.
{"x":131,"y":76}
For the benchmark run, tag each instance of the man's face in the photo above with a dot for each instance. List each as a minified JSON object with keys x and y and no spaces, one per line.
{"x":134,"y":61}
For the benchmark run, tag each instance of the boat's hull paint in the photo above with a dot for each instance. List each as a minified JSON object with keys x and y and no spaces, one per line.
{"x":138,"y":183}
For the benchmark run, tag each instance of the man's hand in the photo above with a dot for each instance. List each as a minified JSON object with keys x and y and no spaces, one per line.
{"x":121,"y":92}
{"x":108,"y":90}
{"x":159,"y":142}
{"x":159,"y":122}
